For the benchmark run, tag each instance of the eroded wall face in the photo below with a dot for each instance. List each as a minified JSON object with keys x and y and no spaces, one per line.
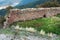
{"x":18,"y":15}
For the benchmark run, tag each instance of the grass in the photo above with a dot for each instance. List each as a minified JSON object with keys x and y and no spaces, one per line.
{"x":6,"y":31}
{"x":47,"y":24}
{"x":58,"y":15}
{"x":51,"y":24}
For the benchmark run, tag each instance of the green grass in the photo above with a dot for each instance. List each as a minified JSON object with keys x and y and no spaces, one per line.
{"x":47,"y":24}
{"x":51,"y":24}
{"x":6,"y":31}
{"x":58,"y":15}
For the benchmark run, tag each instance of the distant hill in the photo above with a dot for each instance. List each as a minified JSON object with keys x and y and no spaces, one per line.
{"x":32,"y":4}
{"x":3,"y":12}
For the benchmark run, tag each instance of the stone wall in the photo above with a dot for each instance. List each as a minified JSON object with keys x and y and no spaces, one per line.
{"x":31,"y":13}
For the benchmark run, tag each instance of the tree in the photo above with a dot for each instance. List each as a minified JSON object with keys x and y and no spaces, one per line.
{"x":8,"y":8}
{"x":54,"y":0}
{"x":49,"y":4}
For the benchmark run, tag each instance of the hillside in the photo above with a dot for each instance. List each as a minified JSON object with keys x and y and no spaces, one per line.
{"x":47,"y":3}
{"x":32,"y":4}
{"x":3,"y":12}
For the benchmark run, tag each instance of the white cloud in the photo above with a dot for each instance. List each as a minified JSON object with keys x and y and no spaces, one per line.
{"x":3,"y":7}
{"x":14,"y":4}
{"x":9,"y":2}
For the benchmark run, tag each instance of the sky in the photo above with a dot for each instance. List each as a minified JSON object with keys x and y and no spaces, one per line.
{"x":5,"y":3}
{"x":9,"y":2}
{"x":14,"y":2}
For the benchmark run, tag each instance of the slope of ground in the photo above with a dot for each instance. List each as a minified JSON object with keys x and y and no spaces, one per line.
{"x":47,"y":24}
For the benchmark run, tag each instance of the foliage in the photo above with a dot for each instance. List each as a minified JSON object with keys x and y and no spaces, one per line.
{"x":2,"y":19}
{"x":58,"y":1}
{"x":41,"y":3}
{"x":58,"y":15}
{"x":6,"y":31}
{"x":47,"y":24}
{"x":49,"y":4}
{"x":8,"y":8}
{"x":33,"y":4}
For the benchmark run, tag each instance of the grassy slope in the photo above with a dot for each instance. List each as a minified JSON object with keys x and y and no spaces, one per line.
{"x":47,"y":24}
{"x":51,"y":24}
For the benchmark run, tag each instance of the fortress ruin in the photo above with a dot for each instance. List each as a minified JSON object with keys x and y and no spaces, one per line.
{"x":30,"y":14}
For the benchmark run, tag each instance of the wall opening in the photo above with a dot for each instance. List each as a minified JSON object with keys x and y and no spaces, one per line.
{"x":44,"y":15}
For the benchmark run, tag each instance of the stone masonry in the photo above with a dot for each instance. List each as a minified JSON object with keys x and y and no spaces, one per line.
{"x":30,"y":14}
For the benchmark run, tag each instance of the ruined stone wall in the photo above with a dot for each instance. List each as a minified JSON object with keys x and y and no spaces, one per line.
{"x":31,"y":13}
